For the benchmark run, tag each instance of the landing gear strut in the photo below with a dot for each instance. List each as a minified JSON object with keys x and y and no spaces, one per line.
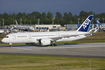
{"x":53,"y":43}
{"x":10,"y":44}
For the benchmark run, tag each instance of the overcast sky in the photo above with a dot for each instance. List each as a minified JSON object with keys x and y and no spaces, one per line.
{"x":53,"y":6}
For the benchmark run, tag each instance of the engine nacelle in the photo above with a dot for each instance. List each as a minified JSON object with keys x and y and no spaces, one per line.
{"x":44,"y":41}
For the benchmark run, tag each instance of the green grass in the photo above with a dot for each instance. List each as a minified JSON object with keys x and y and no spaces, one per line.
{"x":82,"y":41}
{"x":25,"y":62}
{"x":5,"y":44}
{"x":72,"y":42}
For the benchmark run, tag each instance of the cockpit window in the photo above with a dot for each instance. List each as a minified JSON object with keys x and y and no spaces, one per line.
{"x":6,"y":36}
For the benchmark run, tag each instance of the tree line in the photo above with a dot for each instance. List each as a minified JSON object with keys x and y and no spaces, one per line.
{"x":32,"y":18}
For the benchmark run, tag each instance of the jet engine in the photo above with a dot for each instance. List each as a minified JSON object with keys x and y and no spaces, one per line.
{"x":44,"y":42}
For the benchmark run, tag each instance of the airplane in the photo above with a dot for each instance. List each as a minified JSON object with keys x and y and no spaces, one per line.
{"x":4,"y":31}
{"x":99,"y":24}
{"x":1,"y":31}
{"x":50,"y":38}
{"x":78,"y":25}
{"x":94,"y":30}
{"x":29,"y":28}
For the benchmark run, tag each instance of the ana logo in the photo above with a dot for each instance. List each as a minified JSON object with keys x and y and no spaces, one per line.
{"x":86,"y":23}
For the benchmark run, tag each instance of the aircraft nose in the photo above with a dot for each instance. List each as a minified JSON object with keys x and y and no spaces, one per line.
{"x":2,"y":40}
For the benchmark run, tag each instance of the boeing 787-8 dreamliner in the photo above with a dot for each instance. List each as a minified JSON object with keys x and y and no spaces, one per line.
{"x":50,"y":38}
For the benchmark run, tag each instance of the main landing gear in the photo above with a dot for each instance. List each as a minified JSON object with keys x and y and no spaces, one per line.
{"x":53,"y":43}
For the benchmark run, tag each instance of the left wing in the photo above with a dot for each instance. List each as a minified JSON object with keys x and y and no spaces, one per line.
{"x":67,"y":36}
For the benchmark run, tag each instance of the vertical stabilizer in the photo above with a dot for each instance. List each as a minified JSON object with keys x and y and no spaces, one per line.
{"x":78,"y":25}
{"x":98,"y":23}
{"x":16,"y":23}
{"x":86,"y":24}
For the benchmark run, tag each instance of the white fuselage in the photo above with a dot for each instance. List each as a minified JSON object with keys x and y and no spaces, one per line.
{"x":33,"y":37}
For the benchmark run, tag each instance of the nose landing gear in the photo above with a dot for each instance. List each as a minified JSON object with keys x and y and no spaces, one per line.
{"x":10,"y":44}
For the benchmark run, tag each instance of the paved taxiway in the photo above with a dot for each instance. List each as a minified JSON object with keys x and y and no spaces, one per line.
{"x":96,"y":50}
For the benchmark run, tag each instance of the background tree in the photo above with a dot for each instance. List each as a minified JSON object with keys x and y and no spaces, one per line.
{"x":49,"y":15}
{"x":58,"y":15}
{"x":43,"y":17}
{"x":67,"y":18}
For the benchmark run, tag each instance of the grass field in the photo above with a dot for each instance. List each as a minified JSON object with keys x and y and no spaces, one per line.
{"x":25,"y":62}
